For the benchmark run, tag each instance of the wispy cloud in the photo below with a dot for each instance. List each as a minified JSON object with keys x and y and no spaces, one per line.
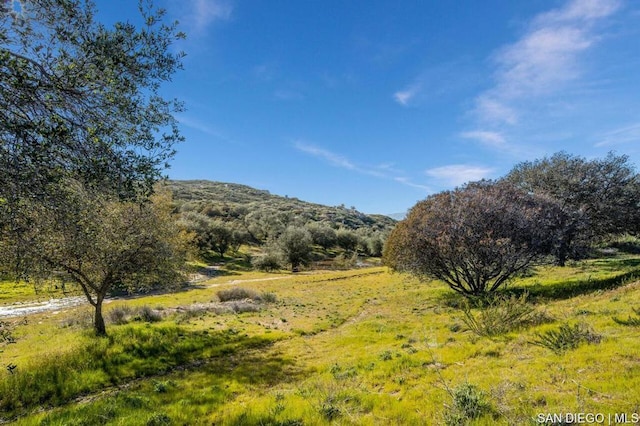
{"x":202,"y":13}
{"x":438,"y":81}
{"x":382,"y":171}
{"x":404,"y":97}
{"x":488,"y":138}
{"x":330,"y":157}
{"x":407,"y":182}
{"x":458,"y":174}
{"x":544,"y":60}
{"x":200,"y":126}
{"x":623,"y":135}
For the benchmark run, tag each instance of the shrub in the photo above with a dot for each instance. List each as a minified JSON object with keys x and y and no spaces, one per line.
{"x":237,"y":293}
{"x":329,"y":410}
{"x":120,"y":315}
{"x":146,"y":314}
{"x":501,"y":315}
{"x":268,"y":297}
{"x":268,"y":262}
{"x":244,"y":306}
{"x":567,"y":337}
{"x":159,"y":419}
{"x":474,"y":238}
{"x":468,"y":403}
{"x":630,"y":321}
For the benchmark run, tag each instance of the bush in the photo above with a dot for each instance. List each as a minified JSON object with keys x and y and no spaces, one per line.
{"x":146,"y":314}
{"x":468,"y":404}
{"x":501,"y":315}
{"x":630,"y":321}
{"x":244,"y":306}
{"x":237,"y":293}
{"x":120,"y":315}
{"x":268,"y":297}
{"x":567,"y":337}
{"x":474,"y":238}
{"x":268,"y":262}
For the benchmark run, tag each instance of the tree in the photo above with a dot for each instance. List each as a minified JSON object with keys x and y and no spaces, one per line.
{"x":213,"y":234}
{"x":322,"y":235}
{"x":474,"y":238}
{"x":346,"y":240}
{"x":81,"y":101}
{"x":102,"y":243}
{"x":600,"y":196}
{"x":295,"y":244}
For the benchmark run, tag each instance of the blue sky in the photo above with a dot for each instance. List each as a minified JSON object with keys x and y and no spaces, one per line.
{"x":377,"y":104}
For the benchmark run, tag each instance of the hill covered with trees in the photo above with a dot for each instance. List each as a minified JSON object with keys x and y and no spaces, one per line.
{"x":225,"y":216}
{"x":231,"y":201}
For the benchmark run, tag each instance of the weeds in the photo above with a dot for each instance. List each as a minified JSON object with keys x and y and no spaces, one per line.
{"x":630,"y":321}
{"x":567,"y":337}
{"x":501,"y":315}
{"x":468,"y":403}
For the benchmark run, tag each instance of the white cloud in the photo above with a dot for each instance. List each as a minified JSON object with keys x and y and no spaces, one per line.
{"x":545,"y":59}
{"x":332,"y":158}
{"x":407,"y":182}
{"x":489,"y":138}
{"x":383,"y":171}
{"x":204,"y":12}
{"x":403,"y":97}
{"x":623,"y":135}
{"x":198,"y":125}
{"x":458,"y":174}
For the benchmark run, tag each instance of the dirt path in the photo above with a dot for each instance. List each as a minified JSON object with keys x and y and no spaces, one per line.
{"x":22,"y":309}
{"x":29,"y":308}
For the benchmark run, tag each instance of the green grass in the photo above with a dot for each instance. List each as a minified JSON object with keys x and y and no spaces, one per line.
{"x":352,"y":347}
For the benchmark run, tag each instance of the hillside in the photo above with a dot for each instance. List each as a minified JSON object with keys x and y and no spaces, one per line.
{"x":230,"y":201}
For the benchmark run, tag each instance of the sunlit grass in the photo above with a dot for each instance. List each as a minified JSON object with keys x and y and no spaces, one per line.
{"x":353,"y":347}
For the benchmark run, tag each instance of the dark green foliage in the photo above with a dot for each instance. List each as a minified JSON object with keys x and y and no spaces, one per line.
{"x":79,"y":101}
{"x":600,"y":197}
{"x":268,"y":262}
{"x":567,"y":337}
{"x":322,"y":235}
{"x":295,"y":245}
{"x":347,"y":240}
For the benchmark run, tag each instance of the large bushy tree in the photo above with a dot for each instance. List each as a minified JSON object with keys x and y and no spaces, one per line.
{"x":100,"y":243}
{"x":295,"y":243}
{"x":80,"y":101}
{"x":474,"y":238}
{"x":600,"y":196}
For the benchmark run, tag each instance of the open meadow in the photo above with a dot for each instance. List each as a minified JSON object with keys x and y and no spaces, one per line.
{"x":336,"y":347}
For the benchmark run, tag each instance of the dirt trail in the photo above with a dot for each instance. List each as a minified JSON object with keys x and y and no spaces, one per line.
{"x":22,"y":309}
{"x":29,"y":308}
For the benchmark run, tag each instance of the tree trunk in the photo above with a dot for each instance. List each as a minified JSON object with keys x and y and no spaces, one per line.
{"x":98,"y":321}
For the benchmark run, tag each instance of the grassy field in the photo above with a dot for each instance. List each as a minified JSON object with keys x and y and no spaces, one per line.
{"x":361,"y":347}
